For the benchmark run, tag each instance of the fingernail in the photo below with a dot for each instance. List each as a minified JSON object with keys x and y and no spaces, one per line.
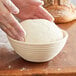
{"x":19,"y":38}
{"x":22,"y":33}
{"x":51,"y":19}
{"x":22,"y":39}
{"x":16,"y":11}
{"x":42,"y":2}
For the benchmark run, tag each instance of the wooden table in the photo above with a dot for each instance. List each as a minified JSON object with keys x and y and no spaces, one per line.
{"x":63,"y":64}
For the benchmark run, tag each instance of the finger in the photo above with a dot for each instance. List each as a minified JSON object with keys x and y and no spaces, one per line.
{"x":12,"y":21}
{"x":40,"y":15}
{"x":10,"y":5}
{"x":9,"y":17}
{"x":9,"y":27}
{"x":44,"y":13}
{"x":5,"y":14}
{"x":36,"y":2}
{"x":10,"y":33}
{"x":6,"y":31}
{"x":12,"y":30}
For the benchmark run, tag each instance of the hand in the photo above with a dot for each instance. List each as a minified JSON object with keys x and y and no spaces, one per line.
{"x":32,"y":9}
{"x":8,"y":22}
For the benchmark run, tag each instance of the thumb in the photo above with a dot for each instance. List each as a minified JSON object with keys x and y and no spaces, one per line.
{"x":36,"y":2}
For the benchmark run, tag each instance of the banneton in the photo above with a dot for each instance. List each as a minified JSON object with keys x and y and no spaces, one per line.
{"x":44,"y":41}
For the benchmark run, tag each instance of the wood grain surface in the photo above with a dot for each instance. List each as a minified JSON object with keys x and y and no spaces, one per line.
{"x":64,"y":64}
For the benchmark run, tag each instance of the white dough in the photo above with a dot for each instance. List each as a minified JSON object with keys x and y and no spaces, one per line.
{"x":40,"y":31}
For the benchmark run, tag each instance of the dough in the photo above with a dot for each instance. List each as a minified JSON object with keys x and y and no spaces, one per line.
{"x":40,"y":31}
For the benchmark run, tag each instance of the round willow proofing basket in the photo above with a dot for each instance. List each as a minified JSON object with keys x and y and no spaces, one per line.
{"x":38,"y":52}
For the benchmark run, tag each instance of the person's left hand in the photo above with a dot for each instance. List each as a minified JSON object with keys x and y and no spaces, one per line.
{"x":32,"y":9}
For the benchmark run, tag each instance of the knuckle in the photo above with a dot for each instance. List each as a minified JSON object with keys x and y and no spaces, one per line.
{"x":1,"y":19}
{"x":9,"y":27}
{"x":4,"y":14}
{"x":1,"y":13}
{"x":4,"y":29}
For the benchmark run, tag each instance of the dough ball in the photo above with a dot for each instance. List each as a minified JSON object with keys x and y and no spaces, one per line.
{"x":40,"y":31}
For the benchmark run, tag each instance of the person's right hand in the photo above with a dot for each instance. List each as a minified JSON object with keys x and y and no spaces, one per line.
{"x":8,"y":22}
